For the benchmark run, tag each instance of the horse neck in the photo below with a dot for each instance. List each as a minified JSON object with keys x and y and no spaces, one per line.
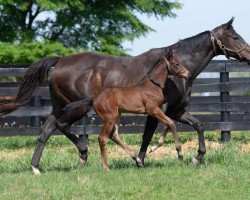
{"x":195,"y":57}
{"x":159,"y":73}
{"x":201,"y":63}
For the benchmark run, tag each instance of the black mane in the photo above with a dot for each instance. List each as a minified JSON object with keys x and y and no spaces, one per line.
{"x":194,"y":43}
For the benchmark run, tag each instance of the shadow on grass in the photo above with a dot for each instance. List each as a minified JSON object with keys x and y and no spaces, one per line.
{"x":152,"y":163}
{"x":61,"y":168}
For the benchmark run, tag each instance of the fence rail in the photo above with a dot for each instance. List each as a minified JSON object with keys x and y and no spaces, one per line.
{"x":221,"y":102}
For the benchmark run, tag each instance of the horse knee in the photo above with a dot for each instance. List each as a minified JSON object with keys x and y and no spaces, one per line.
{"x":172,"y":126}
{"x":198,"y":126}
{"x":44,"y":136}
{"x":64,"y":127}
{"x":102,"y":140}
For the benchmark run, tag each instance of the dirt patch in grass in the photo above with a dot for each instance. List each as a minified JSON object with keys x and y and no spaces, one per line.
{"x":18,"y":153}
{"x":169,"y":149}
{"x":13,"y":154}
{"x":115,"y":151}
{"x":245,"y":148}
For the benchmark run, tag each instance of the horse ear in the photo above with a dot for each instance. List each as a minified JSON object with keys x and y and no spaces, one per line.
{"x":169,"y":53}
{"x":230,"y":22}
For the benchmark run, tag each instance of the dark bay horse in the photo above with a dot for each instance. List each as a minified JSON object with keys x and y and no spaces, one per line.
{"x":146,"y":97}
{"x":84,"y":75}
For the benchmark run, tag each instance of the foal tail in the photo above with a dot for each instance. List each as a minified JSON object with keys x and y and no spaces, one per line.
{"x":34,"y":77}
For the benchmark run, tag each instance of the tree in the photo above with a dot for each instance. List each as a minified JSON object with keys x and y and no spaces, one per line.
{"x":31,"y":51}
{"x":99,"y":25}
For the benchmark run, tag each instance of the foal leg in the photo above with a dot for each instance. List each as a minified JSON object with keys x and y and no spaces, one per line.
{"x":102,"y":139}
{"x":46,"y":131}
{"x":170,"y":123}
{"x":115,"y":138}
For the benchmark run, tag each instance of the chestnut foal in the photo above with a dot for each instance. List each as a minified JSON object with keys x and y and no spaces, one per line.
{"x":145,"y":97}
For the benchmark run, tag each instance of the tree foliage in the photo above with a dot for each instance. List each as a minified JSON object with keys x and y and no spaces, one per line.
{"x":31,"y":51}
{"x":99,"y":25}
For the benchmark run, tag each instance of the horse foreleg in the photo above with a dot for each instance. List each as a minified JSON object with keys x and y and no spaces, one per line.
{"x":46,"y":131}
{"x":161,"y":140}
{"x":115,"y":138}
{"x":187,"y":118}
{"x":149,"y":130}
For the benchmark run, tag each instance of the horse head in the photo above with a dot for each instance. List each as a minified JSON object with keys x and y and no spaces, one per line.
{"x":226,"y":41}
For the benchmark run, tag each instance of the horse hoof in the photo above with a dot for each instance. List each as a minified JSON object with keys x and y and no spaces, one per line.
{"x":180,"y":157}
{"x":195,"y":161}
{"x":139,"y":162}
{"x":153,"y":149}
{"x":82,"y":161}
{"x":35,"y":170}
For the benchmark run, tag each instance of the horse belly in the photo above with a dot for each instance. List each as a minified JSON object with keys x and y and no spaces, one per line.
{"x":131,"y":103}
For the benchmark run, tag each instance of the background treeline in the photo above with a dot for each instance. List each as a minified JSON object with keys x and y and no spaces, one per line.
{"x":30,"y":30}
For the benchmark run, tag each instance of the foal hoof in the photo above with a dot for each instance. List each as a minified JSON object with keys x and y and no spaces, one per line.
{"x":35,"y":170}
{"x":82,"y":161}
{"x":106,"y":169}
{"x":195,"y":161}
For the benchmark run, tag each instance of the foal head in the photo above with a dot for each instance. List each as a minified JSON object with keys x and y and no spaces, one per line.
{"x":174,"y":66}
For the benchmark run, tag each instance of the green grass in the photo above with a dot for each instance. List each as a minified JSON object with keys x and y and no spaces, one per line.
{"x":224,"y":174}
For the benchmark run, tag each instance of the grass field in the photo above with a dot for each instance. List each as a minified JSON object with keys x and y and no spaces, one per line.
{"x":224,"y":174}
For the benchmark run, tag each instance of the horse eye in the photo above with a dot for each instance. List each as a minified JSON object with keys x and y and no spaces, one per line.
{"x":235,"y":37}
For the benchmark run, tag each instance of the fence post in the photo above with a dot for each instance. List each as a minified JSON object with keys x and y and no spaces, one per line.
{"x":224,"y":97}
{"x":35,"y":101}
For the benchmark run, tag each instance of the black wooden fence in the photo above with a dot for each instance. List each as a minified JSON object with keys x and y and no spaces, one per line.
{"x":221,"y":102}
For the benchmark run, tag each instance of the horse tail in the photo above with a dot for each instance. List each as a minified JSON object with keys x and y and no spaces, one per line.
{"x":6,"y":99}
{"x":34,"y":77}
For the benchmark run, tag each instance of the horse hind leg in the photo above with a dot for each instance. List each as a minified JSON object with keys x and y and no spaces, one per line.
{"x":46,"y":131}
{"x":66,"y":120}
{"x":115,"y":138}
{"x":170,"y":123}
{"x":80,"y":143}
{"x":161,"y":140}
